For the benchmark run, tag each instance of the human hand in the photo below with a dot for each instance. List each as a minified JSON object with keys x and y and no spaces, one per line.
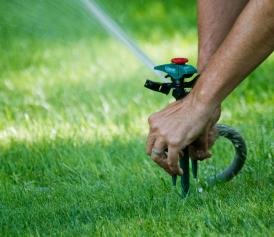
{"x":177,"y":126}
{"x":199,"y":149}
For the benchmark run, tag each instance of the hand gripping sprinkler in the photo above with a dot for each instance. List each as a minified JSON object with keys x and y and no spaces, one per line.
{"x":177,"y":71}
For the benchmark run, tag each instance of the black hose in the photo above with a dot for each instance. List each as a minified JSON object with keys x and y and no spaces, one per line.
{"x":239,"y":158}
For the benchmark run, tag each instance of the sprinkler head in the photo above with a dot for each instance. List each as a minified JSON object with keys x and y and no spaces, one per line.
{"x":177,"y":71}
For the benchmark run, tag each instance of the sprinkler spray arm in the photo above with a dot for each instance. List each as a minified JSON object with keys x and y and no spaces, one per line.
{"x":178,"y":90}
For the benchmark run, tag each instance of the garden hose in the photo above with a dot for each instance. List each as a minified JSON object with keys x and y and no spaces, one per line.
{"x":239,"y":158}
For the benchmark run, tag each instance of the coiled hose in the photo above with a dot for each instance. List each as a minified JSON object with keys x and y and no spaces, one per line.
{"x":239,"y":158}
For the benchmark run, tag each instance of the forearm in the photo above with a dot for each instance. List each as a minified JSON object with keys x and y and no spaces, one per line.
{"x":250,"y":41}
{"x":215,"y":20}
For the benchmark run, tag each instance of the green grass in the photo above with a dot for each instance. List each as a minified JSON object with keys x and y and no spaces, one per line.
{"x":73,"y":124}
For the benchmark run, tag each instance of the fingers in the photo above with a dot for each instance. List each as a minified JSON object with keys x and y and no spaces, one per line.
{"x":158,"y":150}
{"x":212,"y":136}
{"x":199,"y":154}
{"x":199,"y":149}
{"x":150,"y":143}
{"x":161,"y":161}
{"x":173,"y":161}
{"x":158,"y":155}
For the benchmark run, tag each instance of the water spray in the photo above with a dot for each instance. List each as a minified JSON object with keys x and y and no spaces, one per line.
{"x":115,"y":30}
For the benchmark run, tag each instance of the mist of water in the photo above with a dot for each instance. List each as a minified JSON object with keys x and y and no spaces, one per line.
{"x":115,"y":30}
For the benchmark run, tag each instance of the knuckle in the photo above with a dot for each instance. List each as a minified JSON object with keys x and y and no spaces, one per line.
{"x":154,"y":158}
{"x":172,"y":168}
{"x":151,"y":119}
{"x":162,"y":133}
{"x":155,"y":126}
{"x":173,"y":141}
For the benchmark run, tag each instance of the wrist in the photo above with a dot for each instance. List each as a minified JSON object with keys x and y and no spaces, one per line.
{"x":202,"y":99}
{"x":206,"y":91}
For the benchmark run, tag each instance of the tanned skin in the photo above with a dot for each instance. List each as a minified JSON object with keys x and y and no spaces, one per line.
{"x":242,"y":41}
{"x":215,"y":20}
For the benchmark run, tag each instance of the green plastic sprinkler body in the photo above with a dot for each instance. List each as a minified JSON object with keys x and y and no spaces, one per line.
{"x":178,"y":71}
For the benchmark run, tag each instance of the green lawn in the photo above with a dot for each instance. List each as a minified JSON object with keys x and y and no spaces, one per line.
{"x":73,"y":124}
